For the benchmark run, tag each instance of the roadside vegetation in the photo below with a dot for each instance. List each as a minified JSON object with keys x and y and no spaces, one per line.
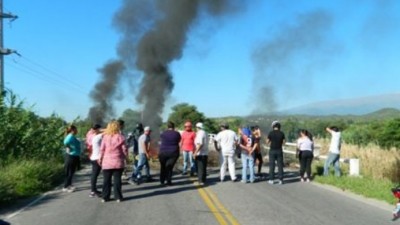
{"x":31,"y":157}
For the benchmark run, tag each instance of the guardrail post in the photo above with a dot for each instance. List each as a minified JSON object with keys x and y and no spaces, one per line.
{"x":354,"y":167}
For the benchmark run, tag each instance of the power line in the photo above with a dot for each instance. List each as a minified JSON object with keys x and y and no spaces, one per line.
{"x":44,"y":77}
{"x":59,"y":76}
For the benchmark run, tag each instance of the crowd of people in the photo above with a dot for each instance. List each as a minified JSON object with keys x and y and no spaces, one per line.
{"x":108,"y":152}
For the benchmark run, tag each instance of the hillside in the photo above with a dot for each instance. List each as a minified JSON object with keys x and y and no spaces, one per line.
{"x":354,"y":106}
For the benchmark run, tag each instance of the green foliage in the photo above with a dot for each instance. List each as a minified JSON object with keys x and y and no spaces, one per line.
{"x":365,"y":186}
{"x":83,"y":127}
{"x":361,"y":134}
{"x":131,"y":118}
{"x":30,"y":156}
{"x":25,"y":135}
{"x":234,"y":122}
{"x":389,"y":134}
{"x":184,"y":112}
{"x":381,"y":127}
{"x":26,"y":178}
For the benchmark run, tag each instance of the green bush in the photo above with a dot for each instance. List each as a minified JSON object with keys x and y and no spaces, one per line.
{"x":24,"y":135}
{"x":30,"y":156}
{"x":28,"y":178}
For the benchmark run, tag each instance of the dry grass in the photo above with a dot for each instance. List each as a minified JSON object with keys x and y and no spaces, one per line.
{"x":375,"y":162}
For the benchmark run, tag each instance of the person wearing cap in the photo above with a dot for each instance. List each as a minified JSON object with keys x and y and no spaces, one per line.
{"x":187,"y":145}
{"x":201,"y":153}
{"x":228,"y":141}
{"x":276,"y":139}
{"x":143,"y":155}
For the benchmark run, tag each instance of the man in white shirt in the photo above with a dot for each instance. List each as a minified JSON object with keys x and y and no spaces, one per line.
{"x":228,"y":141}
{"x":94,"y":157}
{"x":334,"y":151}
{"x":201,"y":153}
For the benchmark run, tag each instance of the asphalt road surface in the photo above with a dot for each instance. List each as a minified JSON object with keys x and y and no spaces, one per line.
{"x":216,"y":203}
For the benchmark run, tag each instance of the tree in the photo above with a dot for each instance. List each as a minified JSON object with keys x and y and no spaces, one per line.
{"x":131,"y":118}
{"x":389,"y":134}
{"x":184,"y":112}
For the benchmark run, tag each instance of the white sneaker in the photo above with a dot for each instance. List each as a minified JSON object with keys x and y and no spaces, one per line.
{"x":64,"y":189}
{"x":71,"y":189}
{"x":308,"y":180}
{"x":280,"y":182}
{"x":270,"y":182}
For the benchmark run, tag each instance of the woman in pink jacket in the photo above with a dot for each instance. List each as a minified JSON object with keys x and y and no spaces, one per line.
{"x":113,"y":153}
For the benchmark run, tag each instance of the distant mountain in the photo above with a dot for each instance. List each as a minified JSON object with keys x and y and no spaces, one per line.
{"x":354,"y":106}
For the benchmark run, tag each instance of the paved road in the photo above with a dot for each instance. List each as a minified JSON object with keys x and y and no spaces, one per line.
{"x":217,"y":203}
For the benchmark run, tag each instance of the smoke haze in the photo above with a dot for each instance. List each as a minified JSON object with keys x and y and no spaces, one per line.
{"x":275,"y":70}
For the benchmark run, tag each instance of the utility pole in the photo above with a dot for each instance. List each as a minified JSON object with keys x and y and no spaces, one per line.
{"x":4,"y":51}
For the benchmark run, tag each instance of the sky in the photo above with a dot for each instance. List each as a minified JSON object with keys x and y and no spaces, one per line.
{"x":262,"y":56}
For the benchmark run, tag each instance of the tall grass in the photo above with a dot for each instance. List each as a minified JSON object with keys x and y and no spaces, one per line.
{"x":27,"y":178}
{"x":375,"y":162}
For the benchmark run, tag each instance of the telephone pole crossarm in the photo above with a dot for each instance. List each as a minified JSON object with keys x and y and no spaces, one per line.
{"x":4,"y":51}
{"x":8,"y":16}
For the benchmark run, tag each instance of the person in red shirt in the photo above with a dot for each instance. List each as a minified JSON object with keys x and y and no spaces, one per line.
{"x":187,"y":145}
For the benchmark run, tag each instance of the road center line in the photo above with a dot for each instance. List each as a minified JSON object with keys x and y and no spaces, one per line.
{"x":211,"y":206}
{"x":218,"y":203}
{"x":222,"y":215}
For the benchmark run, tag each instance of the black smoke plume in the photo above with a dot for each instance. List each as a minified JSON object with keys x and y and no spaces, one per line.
{"x":104,"y":91}
{"x":153,"y":34}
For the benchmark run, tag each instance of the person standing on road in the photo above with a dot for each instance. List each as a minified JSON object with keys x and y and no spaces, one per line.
{"x":144,"y":155}
{"x":73,"y":152}
{"x":334,"y":151}
{"x":276,"y":139}
{"x":121,"y":124}
{"x":94,"y":157}
{"x":169,"y":153}
{"x":133,"y":141}
{"x":113,"y":154}
{"x":187,"y":145}
{"x":305,"y":146}
{"x":228,"y":140}
{"x":89,"y":136}
{"x":201,"y":153}
{"x":256,"y":145}
{"x":247,"y":154}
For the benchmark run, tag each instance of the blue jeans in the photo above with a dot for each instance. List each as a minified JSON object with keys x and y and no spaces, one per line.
{"x":332,"y":159}
{"x":247,"y":161}
{"x":188,"y":156}
{"x":142,"y":163}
